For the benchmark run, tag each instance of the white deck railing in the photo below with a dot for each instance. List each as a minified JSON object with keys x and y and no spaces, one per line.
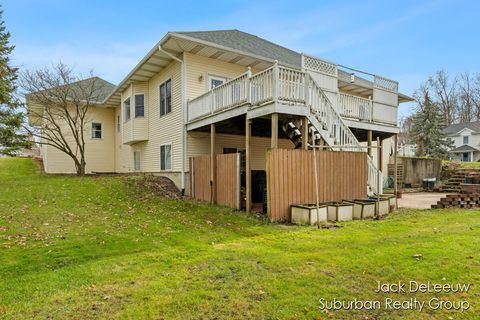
{"x":355,"y":107}
{"x":281,"y":84}
{"x":228,"y":95}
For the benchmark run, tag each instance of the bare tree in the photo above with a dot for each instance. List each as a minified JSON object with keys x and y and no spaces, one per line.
{"x":469,"y":108}
{"x":57,"y":103}
{"x":445,"y":94}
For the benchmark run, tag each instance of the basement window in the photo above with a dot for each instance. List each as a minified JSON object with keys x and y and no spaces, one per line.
{"x":166,"y":97}
{"x":139,"y":105}
{"x":96,"y":130}
{"x":166,"y":157}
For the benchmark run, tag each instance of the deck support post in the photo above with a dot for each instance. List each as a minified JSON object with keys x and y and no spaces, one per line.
{"x":380,"y":154}
{"x":369,"y":142}
{"x":274,"y":143}
{"x":248,"y":174}
{"x":379,"y":166}
{"x":305,"y":133}
{"x":213,"y":165}
{"x":395,"y":178}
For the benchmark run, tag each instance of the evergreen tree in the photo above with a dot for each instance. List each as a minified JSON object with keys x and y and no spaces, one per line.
{"x":11,"y":119}
{"x":427,"y":129}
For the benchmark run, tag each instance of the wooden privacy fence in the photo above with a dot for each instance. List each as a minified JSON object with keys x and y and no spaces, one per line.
{"x":291,"y":180}
{"x":227,"y":179}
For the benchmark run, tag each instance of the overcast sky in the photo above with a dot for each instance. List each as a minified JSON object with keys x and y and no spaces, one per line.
{"x":406,"y":41}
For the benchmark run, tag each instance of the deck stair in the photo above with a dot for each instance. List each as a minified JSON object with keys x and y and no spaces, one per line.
{"x":292,"y":130}
{"x":454,"y":183}
{"x":286,"y":87}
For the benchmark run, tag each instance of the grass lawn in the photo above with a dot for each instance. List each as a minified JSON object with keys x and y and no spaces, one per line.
{"x":93,"y":247}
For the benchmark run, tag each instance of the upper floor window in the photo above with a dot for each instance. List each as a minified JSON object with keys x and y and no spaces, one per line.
{"x":166,"y":97}
{"x":166,"y":157}
{"x":126,"y":110}
{"x":96,"y":130}
{"x":139,"y":105}
{"x":465,"y":139}
{"x":118,"y":123}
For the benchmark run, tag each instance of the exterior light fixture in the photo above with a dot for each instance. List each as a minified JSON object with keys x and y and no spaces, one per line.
{"x":352,"y":77}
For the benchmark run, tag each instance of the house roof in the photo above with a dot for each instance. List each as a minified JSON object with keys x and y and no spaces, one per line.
{"x":457,"y":127}
{"x":233,"y":46}
{"x":248,"y":43}
{"x":464,"y":148}
{"x":101,"y":87}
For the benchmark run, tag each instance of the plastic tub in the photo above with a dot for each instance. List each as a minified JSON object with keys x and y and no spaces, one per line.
{"x":306,"y":214}
{"x":362,"y":208}
{"x":340,"y":211}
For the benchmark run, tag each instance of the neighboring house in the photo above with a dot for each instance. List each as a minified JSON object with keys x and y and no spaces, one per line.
{"x":193,"y":83}
{"x":466,"y":141}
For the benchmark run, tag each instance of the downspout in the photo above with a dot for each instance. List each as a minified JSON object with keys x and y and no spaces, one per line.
{"x":184,"y":112}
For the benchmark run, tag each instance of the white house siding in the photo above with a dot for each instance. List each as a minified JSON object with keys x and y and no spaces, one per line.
{"x":473,"y":141}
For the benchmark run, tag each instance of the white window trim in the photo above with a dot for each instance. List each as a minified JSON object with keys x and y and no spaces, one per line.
{"x":171,"y":157}
{"x":135,"y":107}
{"x":101,"y":130}
{"x":123,"y":110}
{"x":139,"y":161}
{"x":211,"y":77}
{"x":160,"y":96}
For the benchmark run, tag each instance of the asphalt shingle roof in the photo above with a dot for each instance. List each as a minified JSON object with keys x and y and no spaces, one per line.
{"x":464,"y":148}
{"x":248,"y":43}
{"x":456,"y":127}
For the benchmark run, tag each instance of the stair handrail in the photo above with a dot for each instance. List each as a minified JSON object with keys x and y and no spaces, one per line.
{"x":342,"y":133}
{"x":339,"y":127}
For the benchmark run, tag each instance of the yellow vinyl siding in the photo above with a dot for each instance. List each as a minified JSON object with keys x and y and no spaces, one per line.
{"x":200,"y":67}
{"x":199,"y":144}
{"x":98,"y":152}
{"x":167,"y":128}
{"x":122,"y":151}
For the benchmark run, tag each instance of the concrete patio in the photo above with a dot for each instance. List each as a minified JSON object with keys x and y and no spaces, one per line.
{"x":419,"y":200}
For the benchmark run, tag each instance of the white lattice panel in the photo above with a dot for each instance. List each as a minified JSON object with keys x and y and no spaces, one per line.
{"x":315,"y":64}
{"x":386,"y":84}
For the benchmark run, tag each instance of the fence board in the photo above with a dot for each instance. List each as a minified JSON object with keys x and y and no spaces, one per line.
{"x":227,"y":175}
{"x":228,"y":180}
{"x":341,"y":176}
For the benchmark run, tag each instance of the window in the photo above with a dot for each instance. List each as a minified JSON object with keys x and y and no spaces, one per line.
{"x":136,"y":160}
{"x":139,"y":105}
{"x":166,"y":157}
{"x":214,"y":81}
{"x":166,"y":97}
{"x":465,"y":139}
{"x":118,"y":123}
{"x":96,"y":130}
{"x":126,"y":110}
